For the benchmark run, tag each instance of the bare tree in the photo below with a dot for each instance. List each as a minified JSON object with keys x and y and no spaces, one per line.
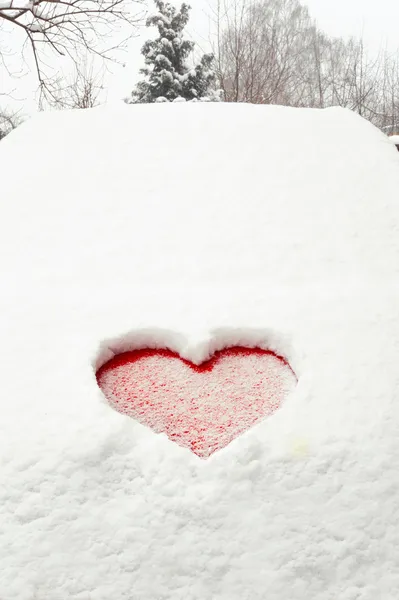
{"x":258,"y":48}
{"x":68,"y":28}
{"x":230,"y":17}
{"x":387,"y":108}
{"x":9,"y":120}
{"x":82,"y":90}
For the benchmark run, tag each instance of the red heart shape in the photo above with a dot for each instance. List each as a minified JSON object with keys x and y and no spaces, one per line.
{"x":201,"y":407}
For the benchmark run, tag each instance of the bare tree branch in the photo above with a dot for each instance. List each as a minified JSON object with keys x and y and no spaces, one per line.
{"x":70,"y":27}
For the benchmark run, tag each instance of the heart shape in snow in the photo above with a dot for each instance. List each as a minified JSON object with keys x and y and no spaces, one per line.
{"x":201,"y":407}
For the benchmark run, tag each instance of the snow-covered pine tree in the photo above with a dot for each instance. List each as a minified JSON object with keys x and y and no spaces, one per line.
{"x":167,"y":77}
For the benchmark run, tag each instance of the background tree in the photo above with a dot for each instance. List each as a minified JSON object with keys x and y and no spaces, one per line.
{"x":167,"y":75}
{"x":260,"y":46}
{"x":66,"y":28}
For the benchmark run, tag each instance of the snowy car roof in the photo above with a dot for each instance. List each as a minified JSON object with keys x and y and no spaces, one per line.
{"x":197,"y":227}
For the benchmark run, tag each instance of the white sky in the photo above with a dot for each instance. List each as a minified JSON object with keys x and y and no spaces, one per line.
{"x":377,"y":20}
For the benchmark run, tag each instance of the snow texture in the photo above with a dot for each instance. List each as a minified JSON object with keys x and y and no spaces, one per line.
{"x":196,"y":226}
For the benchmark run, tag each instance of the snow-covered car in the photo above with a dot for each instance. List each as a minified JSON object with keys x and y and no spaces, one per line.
{"x":180,"y":231}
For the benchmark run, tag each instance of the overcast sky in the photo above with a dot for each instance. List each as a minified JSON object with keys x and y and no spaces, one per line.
{"x":377,"y":20}
{"x":380,"y":18}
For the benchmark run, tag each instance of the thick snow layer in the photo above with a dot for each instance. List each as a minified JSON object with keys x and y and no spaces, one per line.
{"x":197,"y":227}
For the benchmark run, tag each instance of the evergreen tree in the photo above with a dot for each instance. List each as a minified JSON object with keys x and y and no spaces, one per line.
{"x":167,"y":76}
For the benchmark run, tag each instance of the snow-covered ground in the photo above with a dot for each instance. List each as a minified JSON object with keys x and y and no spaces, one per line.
{"x":196,"y":227}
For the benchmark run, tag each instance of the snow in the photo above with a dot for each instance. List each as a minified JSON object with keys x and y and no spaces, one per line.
{"x":196,"y":227}
{"x":394,"y":139}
